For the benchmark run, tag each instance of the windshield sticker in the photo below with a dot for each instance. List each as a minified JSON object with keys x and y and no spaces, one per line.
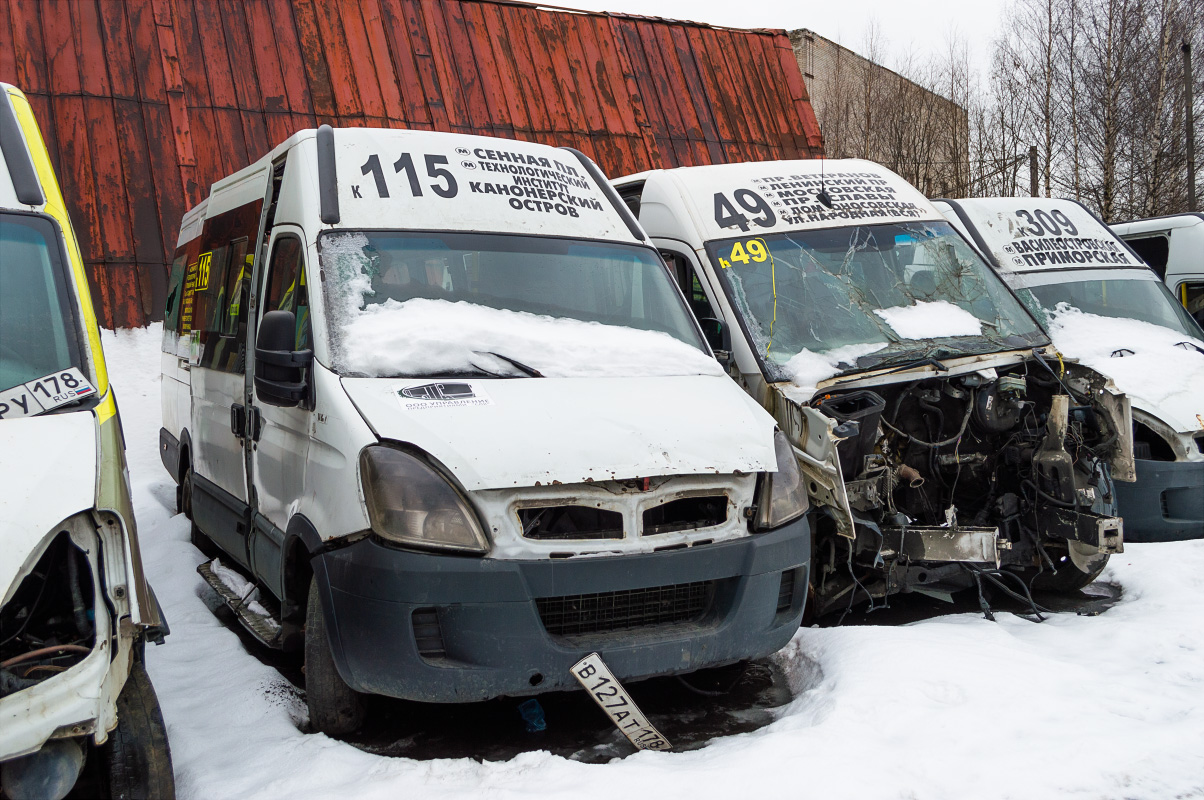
{"x":47,"y":393}
{"x":1035,"y":238}
{"x":794,"y":200}
{"x":446,"y":394}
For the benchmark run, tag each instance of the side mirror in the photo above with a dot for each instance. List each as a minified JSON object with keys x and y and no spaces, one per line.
{"x":279,"y":369}
{"x":719,"y":338}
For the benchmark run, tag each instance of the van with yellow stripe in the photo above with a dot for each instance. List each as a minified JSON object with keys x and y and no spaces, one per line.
{"x":75,"y":698}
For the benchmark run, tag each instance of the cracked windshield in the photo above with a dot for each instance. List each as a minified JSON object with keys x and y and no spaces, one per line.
{"x":871,"y":296}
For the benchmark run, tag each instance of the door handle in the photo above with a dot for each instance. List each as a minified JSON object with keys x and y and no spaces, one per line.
{"x":238,"y":420}
{"x":254,"y":423}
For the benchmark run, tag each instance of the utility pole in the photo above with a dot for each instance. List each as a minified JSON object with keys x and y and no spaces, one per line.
{"x":1191,"y":130}
{"x":1032,"y":171}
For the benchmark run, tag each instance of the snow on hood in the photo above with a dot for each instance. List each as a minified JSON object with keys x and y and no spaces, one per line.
{"x":930,"y":320}
{"x":1160,"y":378}
{"x":496,"y":434}
{"x":808,"y":369}
{"x":48,"y":473}
{"x":430,"y":337}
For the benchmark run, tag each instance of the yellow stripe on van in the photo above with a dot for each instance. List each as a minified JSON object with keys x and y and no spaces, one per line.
{"x":57,"y":209}
{"x":106,"y":410}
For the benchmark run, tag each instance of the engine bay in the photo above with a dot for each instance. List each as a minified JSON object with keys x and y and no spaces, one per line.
{"x":1004,"y":474}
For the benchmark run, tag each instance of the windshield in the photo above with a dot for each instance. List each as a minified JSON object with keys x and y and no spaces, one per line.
{"x":1121,"y":298}
{"x":421,"y":304}
{"x":881,"y":294}
{"x":37,"y":327}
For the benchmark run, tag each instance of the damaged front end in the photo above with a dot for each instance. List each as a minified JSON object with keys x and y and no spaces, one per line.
{"x":933,"y":477}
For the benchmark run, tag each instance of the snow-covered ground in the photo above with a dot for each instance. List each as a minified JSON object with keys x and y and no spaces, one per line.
{"x":955,"y":707}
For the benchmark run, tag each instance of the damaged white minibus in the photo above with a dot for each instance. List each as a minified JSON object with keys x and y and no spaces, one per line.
{"x":437,"y":397}
{"x":1103,"y":307}
{"x":944,"y":445}
{"x":77,"y":709}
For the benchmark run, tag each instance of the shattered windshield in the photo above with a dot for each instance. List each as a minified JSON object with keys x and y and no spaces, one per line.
{"x":881,"y":294}
{"x":1118,"y":297}
{"x":438,"y":303}
{"x":38,"y":332}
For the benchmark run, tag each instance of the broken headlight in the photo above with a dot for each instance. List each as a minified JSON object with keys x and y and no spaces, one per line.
{"x":782,"y":496}
{"x":410,"y":503}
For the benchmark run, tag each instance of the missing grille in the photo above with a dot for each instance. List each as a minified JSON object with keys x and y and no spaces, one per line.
{"x":570,"y":522}
{"x":686,"y":514}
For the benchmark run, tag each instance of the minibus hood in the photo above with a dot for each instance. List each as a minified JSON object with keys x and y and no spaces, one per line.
{"x":48,"y":471}
{"x":495,"y":434}
{"x":1179,"y":402}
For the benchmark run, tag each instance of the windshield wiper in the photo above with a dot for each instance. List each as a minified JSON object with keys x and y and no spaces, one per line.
{"x":530,"y":372}
{"x":919,"y":362}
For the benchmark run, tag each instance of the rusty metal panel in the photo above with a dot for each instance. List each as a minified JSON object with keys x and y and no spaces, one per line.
{"x":144,"y":103}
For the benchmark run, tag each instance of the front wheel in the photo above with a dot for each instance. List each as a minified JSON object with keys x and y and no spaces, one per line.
{"x":137,"y":758}
{"x":334,"y":707}
{"x":1069,"y":577}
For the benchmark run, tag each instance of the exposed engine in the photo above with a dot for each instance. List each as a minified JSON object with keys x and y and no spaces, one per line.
{"x":952,"y":479}
{"x":48,"y":625}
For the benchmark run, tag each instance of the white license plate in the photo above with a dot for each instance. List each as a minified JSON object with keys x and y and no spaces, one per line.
{"x":593,"y":674}
{"x":45,"y":394}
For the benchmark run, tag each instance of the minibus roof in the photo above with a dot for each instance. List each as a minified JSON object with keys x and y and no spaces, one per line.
{"x":427,"y":180}
{"x":722,"y":197}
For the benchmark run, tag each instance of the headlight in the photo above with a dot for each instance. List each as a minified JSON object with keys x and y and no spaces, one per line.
{"x":782,"y":496}
{"x":410,"y":503}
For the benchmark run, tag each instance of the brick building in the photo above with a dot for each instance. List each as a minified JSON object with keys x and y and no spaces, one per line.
{"x":868,"y":111}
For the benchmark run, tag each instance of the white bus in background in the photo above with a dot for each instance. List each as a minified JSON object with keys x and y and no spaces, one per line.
{"x":855,"y":313}
{"x":1173,"y":246}
{"x":436,"y":396}
{"x":1102,"y":306}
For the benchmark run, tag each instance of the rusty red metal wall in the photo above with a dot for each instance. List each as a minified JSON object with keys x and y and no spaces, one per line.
{"x":144,"y":103}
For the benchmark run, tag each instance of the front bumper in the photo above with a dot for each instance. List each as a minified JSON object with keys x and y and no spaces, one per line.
{"x":1166,"y":504}
{"x":494,"y":642}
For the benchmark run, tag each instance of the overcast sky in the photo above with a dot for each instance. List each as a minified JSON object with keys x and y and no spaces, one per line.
{"x":921,"y":26}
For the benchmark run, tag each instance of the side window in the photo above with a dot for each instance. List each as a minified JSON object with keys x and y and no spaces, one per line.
{"x":286,"y":290}
{"x":691,"y":286}
{"x":1191,"y":295}
{"x":1154,"y":251}
{"x":175,"y":293}
{"x":222,"y":280}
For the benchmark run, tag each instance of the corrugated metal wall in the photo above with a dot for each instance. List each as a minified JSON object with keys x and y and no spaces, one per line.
{"x":144,"y":103}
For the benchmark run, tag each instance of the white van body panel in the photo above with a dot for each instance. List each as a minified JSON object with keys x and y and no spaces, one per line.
{"x":1185,"y":233}
{"x":48,"y":474}
{"x":614,"y":428}
{"x":174,"y":392}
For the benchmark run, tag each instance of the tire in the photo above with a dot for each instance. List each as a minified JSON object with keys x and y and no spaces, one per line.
{"x":137,"y":757}
{"x":714,"y":681}
{"x":334,"y":707}
{"x":1068,"y":578}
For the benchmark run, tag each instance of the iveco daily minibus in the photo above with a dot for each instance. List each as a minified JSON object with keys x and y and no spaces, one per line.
{"x":76,"y":609}
{"x":440,"y":400}
{"x":1103,"y":306}
{"x":965,"y":450}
